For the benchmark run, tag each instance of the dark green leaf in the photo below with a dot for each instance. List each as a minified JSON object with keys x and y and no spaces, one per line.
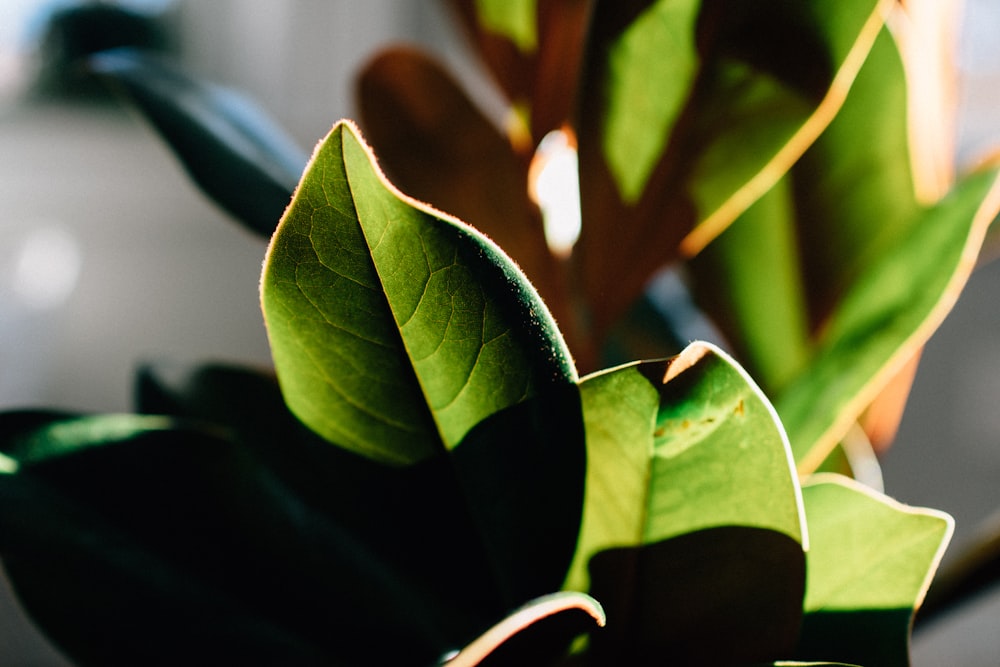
{"x":204,"y":507}
{"x":889,"y":312}
{"x":106,"y":600}
{"x":438,"y":147}
{"x":396,"y":330}
{"x":520,"y":472}
{"x":230,"y":148}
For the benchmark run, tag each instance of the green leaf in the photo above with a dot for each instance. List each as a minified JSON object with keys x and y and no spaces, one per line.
{"x":522,"y":473}
{"x":772,"y":278}
{"x":437,"y":146}
{"x":236,"y":154}
{"x":194,"y":506}
{"x":515,"y":19}
{"x":104,"y":599}
{"x":749,"y":281}
{"x":832,"y":281}
{"x":889,"y":312}
{"x":394,"y":329}
{"x":768,"y":77}
{"x":870,"y":563}
{"x":688,"y":465}
{"x":651,"y":67}
{"x":669,"y":446}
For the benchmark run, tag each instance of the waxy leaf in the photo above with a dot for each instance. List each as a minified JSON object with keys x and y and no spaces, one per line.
{"x":886,"y":316}
{"x":761,"y":81}
{"x":830,"y":283}
{"x":413,"y":111}
{"x":870,"y":563}
{"x":395,"y":329}
{"x":231,"y":149}
{"x":687,"y":465}
{"x":401,"y":335}
{"x":155,"y":521}
{"x":657,"y":433}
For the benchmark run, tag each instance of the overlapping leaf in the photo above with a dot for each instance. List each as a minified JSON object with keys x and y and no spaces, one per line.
{"x":688,"y":465}
{"x":407,"y":338}
{"x":537,"y":633}
{"x":396,"y":330}
{"x":693,"y":138}
{"x":870,"y":563}
{"x":762,"y":81}
{"x":833,"y":280}
{"x":232,"y":150}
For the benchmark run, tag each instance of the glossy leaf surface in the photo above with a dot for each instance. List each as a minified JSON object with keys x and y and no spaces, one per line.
{"x":687,"y":464}
{"x":412,"y":112}
{"x":127,"y":536}
{"x":395,"y":330}
{"x":870,"y":563}
{"x":533,"y":49}
{"x":832,"y":281}
{"x":755,"y":99}
{"x":886,"y":316}
{"x":232,"y":150}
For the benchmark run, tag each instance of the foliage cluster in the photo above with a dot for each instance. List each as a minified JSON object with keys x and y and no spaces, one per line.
{"x":426,"y":477}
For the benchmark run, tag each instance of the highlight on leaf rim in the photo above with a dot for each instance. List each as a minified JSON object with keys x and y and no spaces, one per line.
{"x":534,"y":611}
{"x":717,"y":222}
{"x":827,"y":441}
{"x":892,"y":503}
{"x":350,"y":126}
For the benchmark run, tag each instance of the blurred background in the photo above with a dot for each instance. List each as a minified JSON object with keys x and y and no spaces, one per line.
{"x":109,"y":256}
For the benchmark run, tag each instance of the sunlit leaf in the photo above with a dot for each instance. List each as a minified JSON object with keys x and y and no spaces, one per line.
{"x":515,"y":19}
{"x":842,"y":233}
{"x":651,"y":67}
{"x":438,"y":147}
{"x":749,"y":281}
{"x":870,"y":563}
{"x":890,"y":311}
{"x":395,"y":330}
{"x":769,"y":77}
{"x":232,"y":150}
{"x":687,"y":465}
